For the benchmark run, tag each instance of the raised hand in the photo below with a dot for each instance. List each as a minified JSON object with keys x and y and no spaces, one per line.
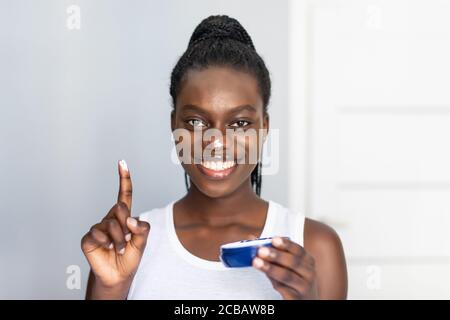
{"x":114,"y":246}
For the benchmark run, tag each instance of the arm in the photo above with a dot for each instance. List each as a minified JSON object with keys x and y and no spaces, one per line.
{"x":323,"y":243}
{"x":114,"y":246}
{"x":315,"y":271}
{"x":95,"y":291}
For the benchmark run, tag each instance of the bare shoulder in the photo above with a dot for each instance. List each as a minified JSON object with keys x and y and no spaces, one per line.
{"x":320,"y":238}
{"x":323,"y":243}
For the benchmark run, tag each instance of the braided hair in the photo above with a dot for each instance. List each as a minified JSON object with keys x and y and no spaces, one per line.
{"x":220,"y":40}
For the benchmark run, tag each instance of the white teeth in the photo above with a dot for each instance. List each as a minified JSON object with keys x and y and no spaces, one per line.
{"x":218,"y":165}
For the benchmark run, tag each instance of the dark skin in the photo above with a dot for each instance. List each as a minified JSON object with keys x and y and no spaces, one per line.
{"x":214,"y":212}
{"x":218,"y":95}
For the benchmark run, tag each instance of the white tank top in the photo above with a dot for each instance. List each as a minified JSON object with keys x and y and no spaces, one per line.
{"x":169,"y":271}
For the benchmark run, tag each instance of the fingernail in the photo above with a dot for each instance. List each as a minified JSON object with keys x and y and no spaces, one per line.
{"x":264,"y":252}
{"x":132,"y":221}
{"x":128,"y":237}
{"x":122,"y":251}
{"x":278,"y":241}
{"x":123,"y":164}
{"x":110,"y":246}
{"x":258,"y":263}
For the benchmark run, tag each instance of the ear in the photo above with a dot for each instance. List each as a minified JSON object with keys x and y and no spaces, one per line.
{"x":172,"y":120}
{"x":266,"y":123}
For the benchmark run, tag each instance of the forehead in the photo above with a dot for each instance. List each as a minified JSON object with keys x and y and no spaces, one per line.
{"x":219,"y":88}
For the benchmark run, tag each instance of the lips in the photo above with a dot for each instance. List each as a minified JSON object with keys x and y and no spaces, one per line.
{"x":217,"y":169}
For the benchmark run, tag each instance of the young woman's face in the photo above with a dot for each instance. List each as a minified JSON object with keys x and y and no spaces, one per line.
{"x":220,"y":99}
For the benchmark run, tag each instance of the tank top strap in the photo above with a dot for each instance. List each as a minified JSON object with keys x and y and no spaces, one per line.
{"x":288,"y":222}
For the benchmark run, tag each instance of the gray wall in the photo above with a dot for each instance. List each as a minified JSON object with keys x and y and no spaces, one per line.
{"x":74,"y":102}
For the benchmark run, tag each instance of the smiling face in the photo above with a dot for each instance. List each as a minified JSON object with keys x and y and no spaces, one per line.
{"x":220,"y":99}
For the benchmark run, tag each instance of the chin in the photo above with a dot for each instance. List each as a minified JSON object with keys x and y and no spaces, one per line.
{"x":215,"y":189}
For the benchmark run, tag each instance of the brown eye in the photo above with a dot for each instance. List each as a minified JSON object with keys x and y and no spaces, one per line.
{"x":240,"y":124}
{"x":196,"y":123}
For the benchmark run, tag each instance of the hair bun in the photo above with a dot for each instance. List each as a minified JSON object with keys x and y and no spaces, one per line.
{"x":221,"y":27}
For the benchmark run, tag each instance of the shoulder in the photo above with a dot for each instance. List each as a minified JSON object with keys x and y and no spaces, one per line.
{"x":320,"y":238}
{"x":324,"y":245}
{"x":317,"y":236}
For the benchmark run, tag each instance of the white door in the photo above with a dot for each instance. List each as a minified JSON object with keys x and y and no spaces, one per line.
{"x":370,"y":105}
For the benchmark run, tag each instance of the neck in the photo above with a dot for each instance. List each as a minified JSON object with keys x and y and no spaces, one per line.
{"x":223,"y":210}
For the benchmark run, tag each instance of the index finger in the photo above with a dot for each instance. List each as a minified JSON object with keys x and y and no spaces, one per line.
{"x":286,"y":244}
{"x":294,"y":248}
{"x":125,"y":186}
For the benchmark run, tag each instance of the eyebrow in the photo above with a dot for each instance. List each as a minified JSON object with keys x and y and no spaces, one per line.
{"x":192,"y":107}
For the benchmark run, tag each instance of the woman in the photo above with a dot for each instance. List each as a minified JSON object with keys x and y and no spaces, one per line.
{"x":220,"y":83}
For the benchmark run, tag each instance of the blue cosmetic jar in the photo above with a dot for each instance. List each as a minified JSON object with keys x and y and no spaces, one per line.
{"x":241,"y":253}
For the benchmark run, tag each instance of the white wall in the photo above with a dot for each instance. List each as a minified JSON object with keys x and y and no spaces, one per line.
{"x":374,"y":147}
{"x":73,"y":102}
{"x":362,"y":106}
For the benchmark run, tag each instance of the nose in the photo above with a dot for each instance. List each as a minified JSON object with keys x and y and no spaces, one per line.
{"x":218,"y":144}
{"x":218,"y":147}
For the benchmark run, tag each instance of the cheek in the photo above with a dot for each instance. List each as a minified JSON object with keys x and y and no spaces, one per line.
{"x":188,"y":146}
{"x":248,"y":149}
